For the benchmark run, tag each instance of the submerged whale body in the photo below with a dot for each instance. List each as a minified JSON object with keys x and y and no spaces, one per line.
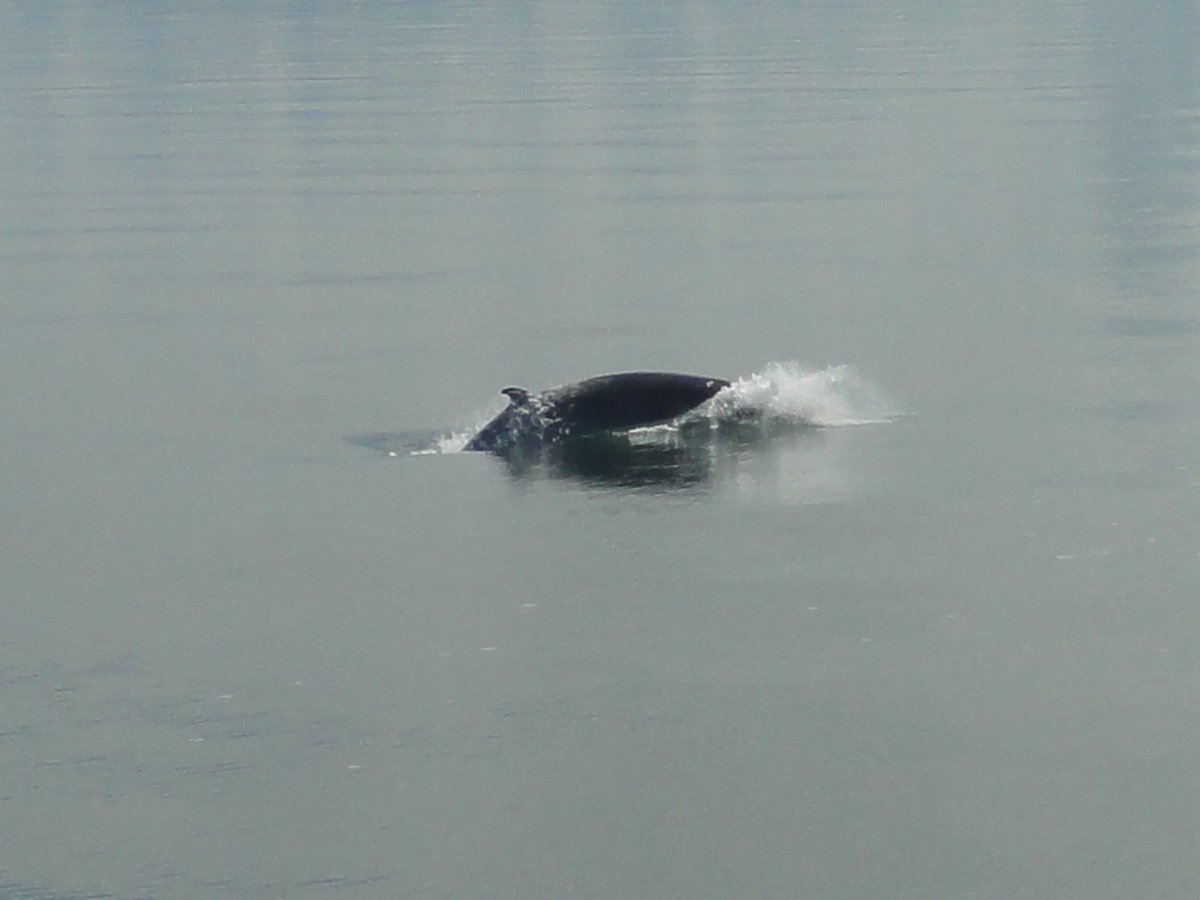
{"x":604,"y":403}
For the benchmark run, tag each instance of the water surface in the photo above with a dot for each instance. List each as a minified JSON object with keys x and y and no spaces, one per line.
{"x":941,"y":646}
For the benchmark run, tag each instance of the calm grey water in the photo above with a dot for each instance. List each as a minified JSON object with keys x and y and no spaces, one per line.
{"x":954,"y":654}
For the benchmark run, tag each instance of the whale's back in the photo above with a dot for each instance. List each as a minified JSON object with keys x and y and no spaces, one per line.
{"x":629,"y":400}
{"x":604,"y":403}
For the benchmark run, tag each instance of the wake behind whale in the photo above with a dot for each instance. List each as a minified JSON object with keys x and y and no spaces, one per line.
{"x":782,"y":398}
{"x":769,"y":433}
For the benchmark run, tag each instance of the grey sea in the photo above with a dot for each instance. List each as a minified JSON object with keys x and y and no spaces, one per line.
{"x":929,"y":629}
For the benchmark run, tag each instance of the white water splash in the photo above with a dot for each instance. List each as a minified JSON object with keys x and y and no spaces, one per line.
{"x":454,"y":442}
{"x":786,"y":393}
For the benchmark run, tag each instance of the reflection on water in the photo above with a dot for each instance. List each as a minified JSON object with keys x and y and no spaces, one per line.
{"x":617,"y":461}
{"x":767,"y":460}
{"x":1151,"y":123}
{"x":1149,"y":203}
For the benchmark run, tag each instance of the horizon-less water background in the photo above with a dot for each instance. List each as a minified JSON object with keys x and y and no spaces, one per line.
{"x":954,"y":653}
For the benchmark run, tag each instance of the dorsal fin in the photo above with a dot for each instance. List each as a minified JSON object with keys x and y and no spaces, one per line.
{"x":516,"y":396}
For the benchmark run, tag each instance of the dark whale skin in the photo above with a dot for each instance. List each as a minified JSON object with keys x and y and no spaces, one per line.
{"x":604,"y":403}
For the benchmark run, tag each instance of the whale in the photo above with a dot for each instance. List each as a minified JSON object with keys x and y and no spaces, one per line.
{"x":605,"y":403}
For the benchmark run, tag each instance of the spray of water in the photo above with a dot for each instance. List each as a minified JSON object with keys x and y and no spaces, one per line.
{"x":786,"y":393}
{"x":454,"y":442}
